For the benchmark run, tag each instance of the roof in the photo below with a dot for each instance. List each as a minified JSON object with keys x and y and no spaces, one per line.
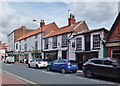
{"x":62,"y":30}
{"x":38,"y":30}
{"x":91,"y":31}
{"x":3,"y":46}
{"x":114,"y":25}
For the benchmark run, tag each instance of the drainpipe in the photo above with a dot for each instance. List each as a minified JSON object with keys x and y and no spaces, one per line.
{"x":104,"y":47}
{"x":104,"y":50}
{"x":68,"y":41}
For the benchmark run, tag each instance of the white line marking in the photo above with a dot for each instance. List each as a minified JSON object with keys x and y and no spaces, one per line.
{"x":20,"y":78}
{"x":48,"y":72}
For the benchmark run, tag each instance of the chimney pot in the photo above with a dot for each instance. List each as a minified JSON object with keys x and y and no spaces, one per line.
{"x":42,"y":23}
{"x":71,"y":20}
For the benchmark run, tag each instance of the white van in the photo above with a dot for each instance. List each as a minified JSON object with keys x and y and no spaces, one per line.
{"x":9,"y":59}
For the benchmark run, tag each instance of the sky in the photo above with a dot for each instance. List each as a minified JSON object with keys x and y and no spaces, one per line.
{"x":16,"y":14}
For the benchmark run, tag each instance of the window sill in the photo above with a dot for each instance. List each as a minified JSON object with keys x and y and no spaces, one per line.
{"x":96,"y":49}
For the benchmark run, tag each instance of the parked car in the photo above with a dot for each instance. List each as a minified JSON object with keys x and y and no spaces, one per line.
{"x":9,"y":59}
{"x":106,"y":67}
{"x":63,"y":65}
{"x":37,"y":63}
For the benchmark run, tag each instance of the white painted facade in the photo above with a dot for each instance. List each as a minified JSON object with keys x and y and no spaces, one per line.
{"x":100,"y":49}
{"x":10,"y":42}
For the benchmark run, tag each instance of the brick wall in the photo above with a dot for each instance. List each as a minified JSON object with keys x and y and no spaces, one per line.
{"x":116,"y":33}
{"x":20,"y":32}
{"x":82,"y":27}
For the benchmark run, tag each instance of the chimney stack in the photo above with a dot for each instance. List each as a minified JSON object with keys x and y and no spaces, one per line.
{"x":71,"y":20}
{"x":42,"y":23}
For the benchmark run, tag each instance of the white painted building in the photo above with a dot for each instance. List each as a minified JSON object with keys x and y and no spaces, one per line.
{"x":30,"y":46}
{"x":56,"y":44}
{"x":89,"y":44}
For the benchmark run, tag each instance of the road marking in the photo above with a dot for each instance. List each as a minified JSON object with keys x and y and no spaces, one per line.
{"x":80,"y":78}
{"x":28,"y":81}
{"x":48,"y":72}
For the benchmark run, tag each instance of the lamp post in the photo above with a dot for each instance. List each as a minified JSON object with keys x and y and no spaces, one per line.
{"x":41,"y":32}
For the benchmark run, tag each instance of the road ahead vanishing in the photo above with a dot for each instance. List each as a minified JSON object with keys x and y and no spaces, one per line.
{"x":42,"y":76}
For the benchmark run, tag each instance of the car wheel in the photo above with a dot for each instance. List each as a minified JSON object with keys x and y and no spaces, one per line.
{"x":29,"y":65}
{"x":36,"y":66}
{"x":48,"y":68}
{"x":88,"y":73}
{"x":63,"y":70}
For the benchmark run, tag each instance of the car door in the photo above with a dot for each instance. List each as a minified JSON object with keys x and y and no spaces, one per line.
{"x":54,"y":64}
{"x":109,"y":69}
{"x":33,"y":63}
{"x":60,"y":64}
{"x":96,"y":66}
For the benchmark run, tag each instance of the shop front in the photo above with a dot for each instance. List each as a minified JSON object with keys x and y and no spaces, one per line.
{"x":82,"y":57}
{"x":51,"y":55}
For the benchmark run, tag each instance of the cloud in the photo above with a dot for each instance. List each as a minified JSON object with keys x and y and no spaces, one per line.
{"x":10,"y":21}
{"x":15,"y":15}
{"x":97,"y":14}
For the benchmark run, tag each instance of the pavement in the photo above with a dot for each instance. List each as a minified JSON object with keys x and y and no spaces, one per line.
{"x":9,"y":79}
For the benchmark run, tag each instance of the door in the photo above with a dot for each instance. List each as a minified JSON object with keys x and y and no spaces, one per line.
{"x":64,"y":54}
{"x":116,"y":54}
{"x":97,"y":66}
{"x":109,"y":70}
{"x":54,"y":64}
{"x":79,"y":60}
{"x":87,"y":42}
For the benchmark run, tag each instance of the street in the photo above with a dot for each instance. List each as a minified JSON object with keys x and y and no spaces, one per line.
{"x":42,"y":76}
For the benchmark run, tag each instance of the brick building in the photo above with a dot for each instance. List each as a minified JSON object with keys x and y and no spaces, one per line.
{"x":2,"y":50}
{"x":113,"y":40}
{"x":13,"y":36}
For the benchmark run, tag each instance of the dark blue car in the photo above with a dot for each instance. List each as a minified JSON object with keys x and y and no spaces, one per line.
{"x":63,"y":65}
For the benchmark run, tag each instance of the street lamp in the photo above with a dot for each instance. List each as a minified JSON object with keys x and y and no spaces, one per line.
{"x":41,"y":31}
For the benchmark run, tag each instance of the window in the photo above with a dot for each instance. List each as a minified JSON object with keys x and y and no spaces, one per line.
{"x":20,"y":47}
{"x":61,"y":61}
{"x":97,"y":61}
{"x":107,"y":62}
{"x":25,"y":47}
{"x":79,"y":43}
{"x":96,"y":41}
{"x":46,"y":43}
{"x":56,"y":61}
{"x":55,"y":42}
{"x":36,"y":36}
{"x":16,"y":46}
{"x":64,"y":40}
{"x":36,"y":45}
